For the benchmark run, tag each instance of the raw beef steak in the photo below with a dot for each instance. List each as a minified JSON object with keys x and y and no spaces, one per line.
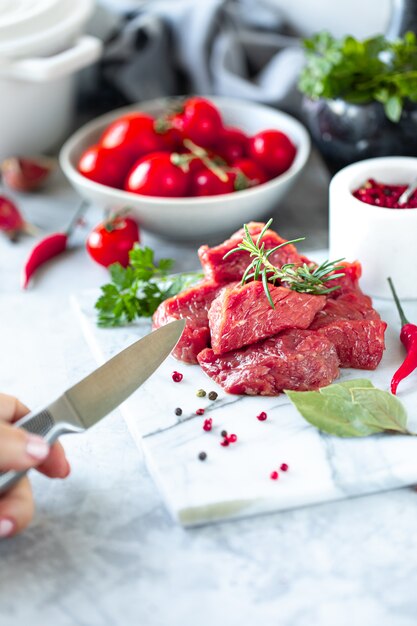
{"x":349,"y":282}
{"x":191,"y":304}
{"x":231,"y":269}
{"x":355,"y":329}
{"x":295,"y":359}
{"x":241,"y":314}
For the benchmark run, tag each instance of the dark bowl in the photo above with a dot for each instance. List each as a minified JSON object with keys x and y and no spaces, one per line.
{"x":345,"y":133}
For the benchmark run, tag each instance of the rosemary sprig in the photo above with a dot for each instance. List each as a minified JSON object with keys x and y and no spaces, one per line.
{"x":306,"y":278}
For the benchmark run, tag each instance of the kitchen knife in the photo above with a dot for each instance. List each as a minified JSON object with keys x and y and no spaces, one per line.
{"x":91,"y":399}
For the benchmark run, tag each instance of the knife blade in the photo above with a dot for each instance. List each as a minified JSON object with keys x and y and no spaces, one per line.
{"x":95,"y":396}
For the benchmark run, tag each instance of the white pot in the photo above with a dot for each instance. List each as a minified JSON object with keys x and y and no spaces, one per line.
{"x":383,"y":240}
{"x":41,"y":49}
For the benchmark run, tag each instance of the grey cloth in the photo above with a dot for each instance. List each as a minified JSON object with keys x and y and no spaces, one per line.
{"x":227,"y":47}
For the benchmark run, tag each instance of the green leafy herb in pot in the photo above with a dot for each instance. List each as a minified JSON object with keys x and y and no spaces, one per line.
{"x":360,"y":72}
{"x":354,"y":408}
{"x":138,"y":289}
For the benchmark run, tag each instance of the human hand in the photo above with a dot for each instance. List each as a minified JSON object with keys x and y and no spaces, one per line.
{"x":20,"y":450}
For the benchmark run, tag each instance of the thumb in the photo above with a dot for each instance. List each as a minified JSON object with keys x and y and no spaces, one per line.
{"x":20,"y":450}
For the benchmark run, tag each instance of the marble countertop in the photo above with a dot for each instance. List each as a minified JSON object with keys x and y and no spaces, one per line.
{"x":103,"y":550}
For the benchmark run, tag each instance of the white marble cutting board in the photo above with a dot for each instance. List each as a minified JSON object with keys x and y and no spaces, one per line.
{"x":235,"y":481}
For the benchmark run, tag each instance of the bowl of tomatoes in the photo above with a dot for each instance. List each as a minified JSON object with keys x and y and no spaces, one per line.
{"x":188,"y":168}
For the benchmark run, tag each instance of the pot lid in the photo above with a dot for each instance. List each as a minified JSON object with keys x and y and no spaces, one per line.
{"x":39,"y":27}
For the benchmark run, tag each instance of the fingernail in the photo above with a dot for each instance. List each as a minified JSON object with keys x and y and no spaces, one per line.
{"x":6,"y":527}
{"x":37,"y":448}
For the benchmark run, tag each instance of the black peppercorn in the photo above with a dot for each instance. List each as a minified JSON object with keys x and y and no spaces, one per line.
{"x":178,"y":411}
{"x":213,"y":395}
{"x":224,"y":433}
{"x":202,"y":456}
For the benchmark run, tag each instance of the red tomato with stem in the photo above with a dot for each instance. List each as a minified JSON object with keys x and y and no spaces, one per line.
{"x":102,"y":166}
{"x":111,"y":241}
{"x":134,"y":135}
{"x":204,"y":182}
{"x":200,"y":121}
{"x":272,"y":150}
{"x":232,"y":145}
{"x":253,"y":172}
{"x":156,"y":175}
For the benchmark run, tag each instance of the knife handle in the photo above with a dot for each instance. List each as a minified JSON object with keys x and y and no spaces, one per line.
{"x":38,"y":423}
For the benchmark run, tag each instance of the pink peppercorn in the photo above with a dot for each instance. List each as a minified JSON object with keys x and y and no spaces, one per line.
{"x":199,"y":412}
{"x":284,"y":467}
{"x":274,"y":475}
{"x":208,"y":424}
{"x":262,"y":416}
{"x":225,"y":442}
{"x":232,"y":438}
{"x":177,"y":377}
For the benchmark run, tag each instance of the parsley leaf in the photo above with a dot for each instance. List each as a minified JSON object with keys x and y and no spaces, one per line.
{"x":138,"y":290}
{"x":374,"y":69}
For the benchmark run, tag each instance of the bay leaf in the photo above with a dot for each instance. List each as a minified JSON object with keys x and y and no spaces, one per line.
{"x":353,"y":408}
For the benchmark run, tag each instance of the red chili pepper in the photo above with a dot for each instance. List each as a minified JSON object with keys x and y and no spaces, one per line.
{"x":408,"y":337}
{"x":48,"y":248}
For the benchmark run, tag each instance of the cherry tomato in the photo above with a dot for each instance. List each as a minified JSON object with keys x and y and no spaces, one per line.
{"x":205,"y":183}
{"x":272,"y":150}
{"x":110,"y":241}
{"x":134,"y":135}
{"x":253,"y":172}
{"x":156,"y":175}
{"x":102,"y":166}
{"x":200,"y":121}
{"x":232,"y":145}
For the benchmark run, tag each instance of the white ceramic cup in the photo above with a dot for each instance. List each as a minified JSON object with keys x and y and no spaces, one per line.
{"x":383,"y":240}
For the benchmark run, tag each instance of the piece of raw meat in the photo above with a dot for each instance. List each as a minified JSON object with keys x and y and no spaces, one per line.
{"x":241,"y":314}
{"x":191,"y":304}
{"x":349,"y":282}
{"x":295,"y":359}
{"x":232,"y":268}
{"x":355,"y":329}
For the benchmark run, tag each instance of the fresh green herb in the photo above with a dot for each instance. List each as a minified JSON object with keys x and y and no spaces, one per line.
{"x":137,"y":290}
{"x":362,"y":71}
{"x":304,"y":278}
{"x":351,"y":409}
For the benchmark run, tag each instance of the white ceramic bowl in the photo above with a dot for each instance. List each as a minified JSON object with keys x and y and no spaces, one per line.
{"x":383,"y":240}
{"x":42,"y":46}
{"x":193,"y":219}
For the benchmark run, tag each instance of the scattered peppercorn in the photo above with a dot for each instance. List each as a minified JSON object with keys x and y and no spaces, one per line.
{"x":200,"y":393}
{"x":178,"y":411}
{"x":274,"y":475}
{"x":232,"y":438}
{"x":224,"y":433}
{"x":202,"y":456}
{"x":208,"y":423}
{"x":262,"y":416}
{"x":225,"y":442}
{"x":284,"y":467}
{"x":213,"y":395}
{"x":199,"y":412}
{"x":177,"y":377}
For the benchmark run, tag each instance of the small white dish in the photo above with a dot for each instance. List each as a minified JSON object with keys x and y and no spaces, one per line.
{"x":383,"y":240}
{"x":193,"y":219}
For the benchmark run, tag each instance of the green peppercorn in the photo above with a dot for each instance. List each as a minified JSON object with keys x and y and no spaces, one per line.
{"x":202,"y":456}
{"x":213,"y":395}
{"x":178,"y":411}
{"x":200,"y":393}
